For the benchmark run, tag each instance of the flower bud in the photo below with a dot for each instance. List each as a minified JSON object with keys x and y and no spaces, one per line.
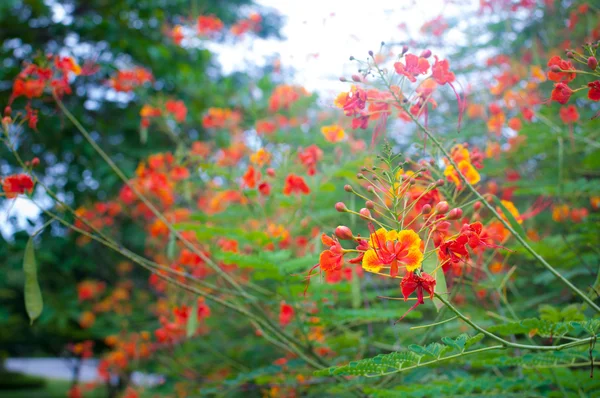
{"x":477,"y":206}
{"x":356,"y":78}
{"x":365,"y":213}
{"x":455,"y":214}
{"x":426,"y":209}
{"x":442,"y":207}
{"x":592,"y":63}
{"x":440,"y":182}
{"x":370,"y":53}
{"x":7,"y":111}
{"x":343,"y":79}
{"x":343,"y":233}
{"x":360,"y":176}
{"x":570,"y":54}
{"x":426,"y":54}
{"x":35,"y":161}
{"x":351,"y":58}
{"x":270,"y":172}
{"x":370,"y":204}
{"x":341,"y":207}
{"x":555,"y":68}
{"x":404,"y":49}
{"x":348,"y":188}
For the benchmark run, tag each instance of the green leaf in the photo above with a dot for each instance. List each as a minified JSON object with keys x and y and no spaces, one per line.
{"x":433,"y":350}
{"x":192,"y":321}
{"x":511,"y":219}
{"x":473,"y":340}
{"x":33,"y":295}
{"x":458,"y":343}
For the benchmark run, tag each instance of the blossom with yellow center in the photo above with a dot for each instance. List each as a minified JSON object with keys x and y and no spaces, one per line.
{"x":261,"y":157}
{"x":393,"y":249}
{"x":560,"y":213}
{"x":333,"y":133}
{"x":467,"y":169}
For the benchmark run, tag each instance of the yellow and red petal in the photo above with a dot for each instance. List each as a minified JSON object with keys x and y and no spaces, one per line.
{"x":371,"y":262}
{"x":467,"y":169}
{"x":409,"y":239}
{"x":391,"y":235}
{"x":412,"y":260}
{"x":379,"y":237}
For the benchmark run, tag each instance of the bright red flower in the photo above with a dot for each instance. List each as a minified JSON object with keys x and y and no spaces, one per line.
{"x":286,"y":314}
{"x":515,"y":124}
{"x":569,"y":114}
{"x":208,"y":24}
{"x":309,"y":158}
{"x":31,"y":88}
{"x":414,"y":66}
{"x":203,"y":309}
{"x":295,"y":184}
{"x":564,"y":65}
{"x":17,"y":184}
{"x":527,"y":114}
{"x":453,"y":251}
{"x":264,"y":188}
{"x":475,"y":236}
{"x":250,"y":177}
{"x":352,"y":102}
{"x":66,"y":65}
{"x":177,"y":109}
{"x":594,"y":93}
{"x":332,"y":258}
{"x":561,"y":93}
{"x":413,"y":282}
{"x":440,"y":71}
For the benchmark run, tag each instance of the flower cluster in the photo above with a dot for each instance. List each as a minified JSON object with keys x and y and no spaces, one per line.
{"x":563,"y":72}
{"x":414,"y":222}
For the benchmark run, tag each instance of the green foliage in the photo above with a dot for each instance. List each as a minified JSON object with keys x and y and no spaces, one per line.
{"x":415,"y":357}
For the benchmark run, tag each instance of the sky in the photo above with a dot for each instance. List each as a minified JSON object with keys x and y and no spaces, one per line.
{"x":321,"y":35}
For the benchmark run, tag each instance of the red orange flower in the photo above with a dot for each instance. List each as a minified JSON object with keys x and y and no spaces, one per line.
{"x":569,"y":114}
{"x":177,"y":109}
{"x":414,"y":66}
{"x":208,"y":24}
{"x":17,"y":184}
{"x":594,"y":93}
{"x":286,"y":314}
{"x":295,"y":184}
{"x":561,"y":76}
{"x":561,"y":93}
{"x":440,"y":71}
{"x":309,"y":157}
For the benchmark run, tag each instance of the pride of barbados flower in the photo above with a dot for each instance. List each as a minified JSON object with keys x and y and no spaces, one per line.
{"x":393,"y":249}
